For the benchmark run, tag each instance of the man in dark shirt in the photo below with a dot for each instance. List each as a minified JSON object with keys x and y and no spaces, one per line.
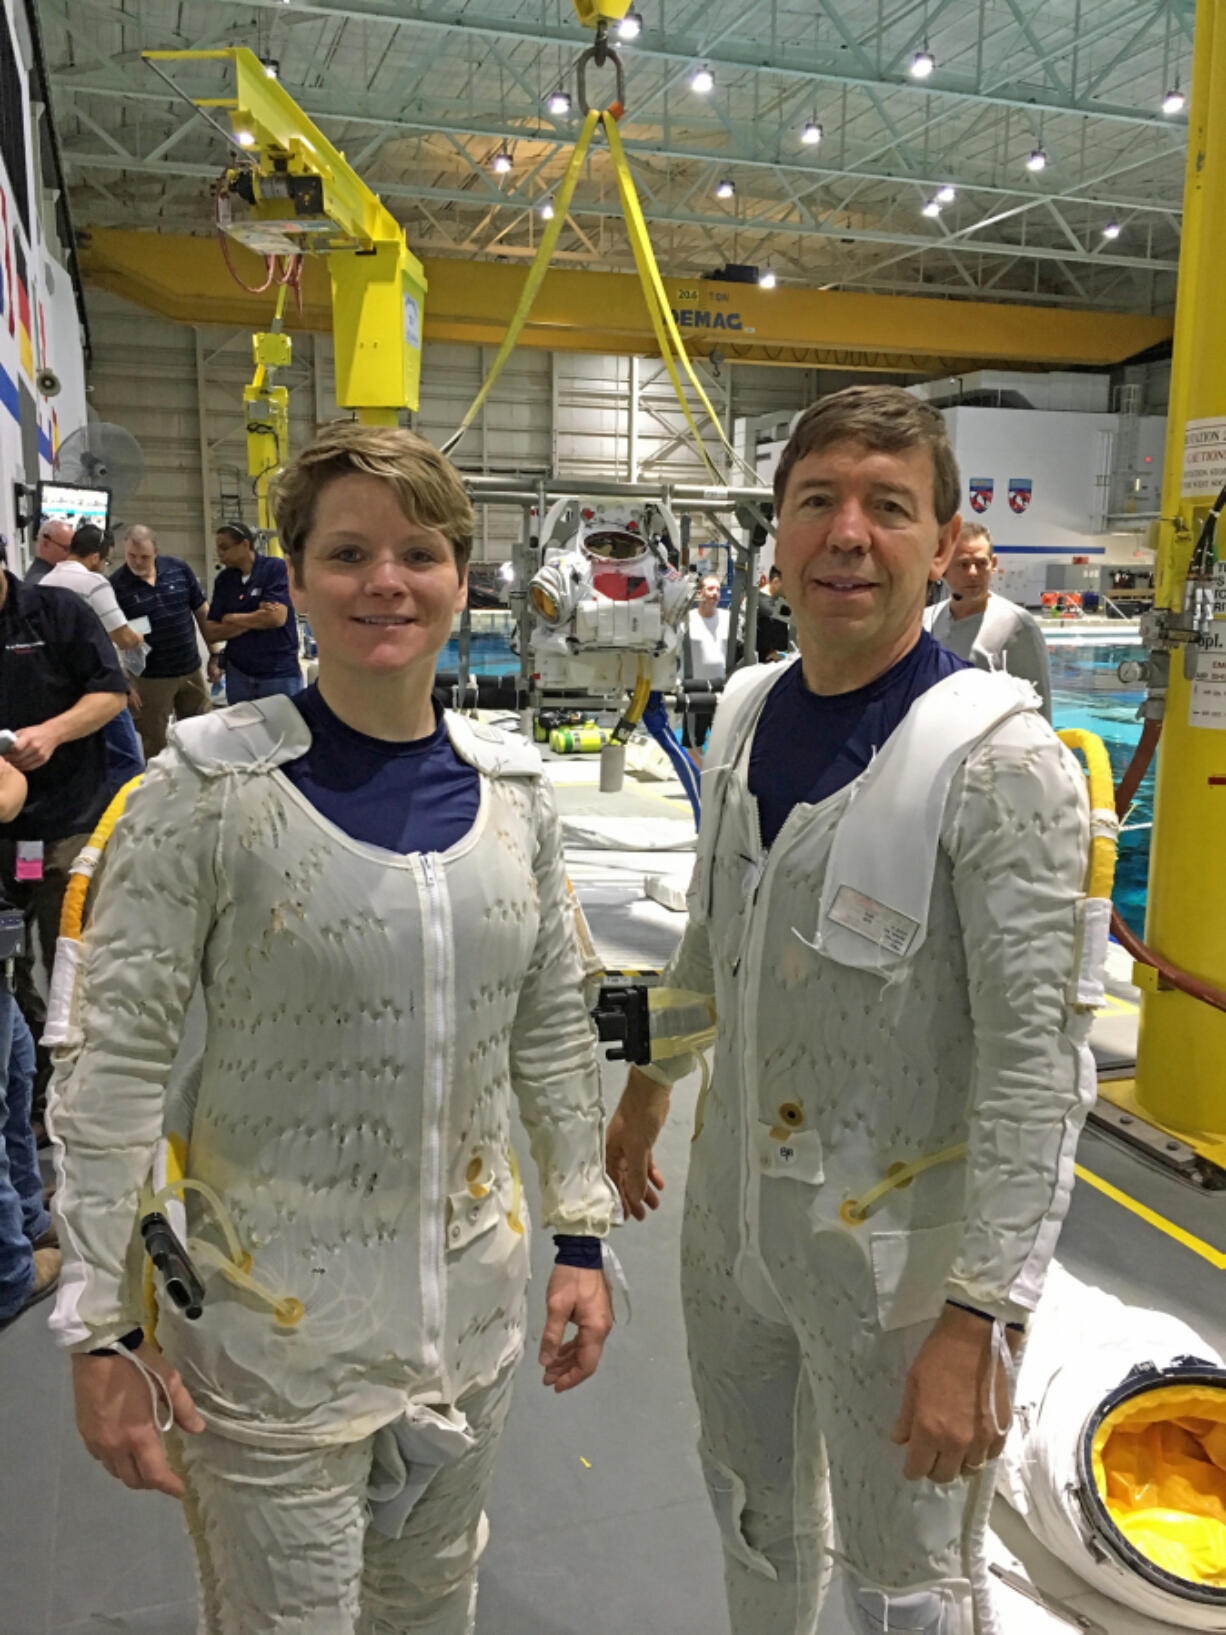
{"x":250,"y":610}
{"x":50,"y":549}
{"x":165,"y":591}
{"x":773,"y":614}
{"x":29,"y":1255}
{"x":60,"y":683}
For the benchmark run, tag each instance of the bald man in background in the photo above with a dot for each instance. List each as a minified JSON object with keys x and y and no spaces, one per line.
{"x":164,"y":590}
{"x":50,"y":549}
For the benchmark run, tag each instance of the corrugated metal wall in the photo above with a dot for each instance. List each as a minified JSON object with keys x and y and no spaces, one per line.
{"x":178,"y":390}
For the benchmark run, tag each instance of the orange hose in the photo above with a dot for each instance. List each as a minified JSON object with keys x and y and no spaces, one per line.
{"x":1139,"y":765}
{"x":1183,"y":980}
{"x":270,"y":264}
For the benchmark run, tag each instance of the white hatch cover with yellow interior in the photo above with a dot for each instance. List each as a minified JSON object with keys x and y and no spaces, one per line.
{"x":1117,"y":1458}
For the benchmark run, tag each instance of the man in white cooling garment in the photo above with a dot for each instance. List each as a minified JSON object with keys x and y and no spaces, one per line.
{"x":886,"y":905}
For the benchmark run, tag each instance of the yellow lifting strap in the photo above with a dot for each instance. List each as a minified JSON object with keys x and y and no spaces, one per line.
{"x":668,"y":337}
{"x":536,"y":276}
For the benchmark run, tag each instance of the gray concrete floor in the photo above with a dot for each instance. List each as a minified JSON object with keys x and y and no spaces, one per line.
{"x":598,"y":1513}
{"x":599,"y":1518}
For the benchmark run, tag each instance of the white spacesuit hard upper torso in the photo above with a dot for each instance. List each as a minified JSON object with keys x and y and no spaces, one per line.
{"x":369,"y":1016}
{"x":831,"y":1068}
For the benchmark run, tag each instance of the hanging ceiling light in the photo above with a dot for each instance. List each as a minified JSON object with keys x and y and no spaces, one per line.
{"x":501,"y":163}
{"x":922,"y":64}
{"x":931,"y":209}
{"x":767,"y":279}
{"x":1174,"y":102}
{"x":271,"y":67}
{"x":946,"y":194}
{"x":702,"y":80}
{"x":547,"y":210}
{"x":558,"y":102}
{"x":725,"y":188}
{"x":1037,"y":160}
{"x":812,"y":133}
{"x":630,"y":27}
{"x":1112,"y":230}
{"x":245,"y":139}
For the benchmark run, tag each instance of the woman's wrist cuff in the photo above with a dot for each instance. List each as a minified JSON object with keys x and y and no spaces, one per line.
{"x":586,"y":1253}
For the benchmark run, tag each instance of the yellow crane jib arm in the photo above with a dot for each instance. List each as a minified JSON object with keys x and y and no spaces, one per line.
{"x":305,"y":198}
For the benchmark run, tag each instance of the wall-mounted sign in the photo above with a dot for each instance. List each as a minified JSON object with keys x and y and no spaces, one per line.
{"x":1204,"y":456}
{"x":1019,"y":493}
{"x":982,"y":489}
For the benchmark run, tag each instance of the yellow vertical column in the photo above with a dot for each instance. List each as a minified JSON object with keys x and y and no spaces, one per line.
{"x":1181,"y":1067}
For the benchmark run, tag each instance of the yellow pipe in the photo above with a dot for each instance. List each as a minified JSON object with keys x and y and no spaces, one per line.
{"x":1181,"y":1065}
{"x":1102,"y":799}
{"x":72,"y":914}
{"x":641,"y":695}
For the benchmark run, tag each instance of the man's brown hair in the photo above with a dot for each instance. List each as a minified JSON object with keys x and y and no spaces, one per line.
{"x":884,"y":419}
{"x":976,"y":530}
{"x":428,"y":488}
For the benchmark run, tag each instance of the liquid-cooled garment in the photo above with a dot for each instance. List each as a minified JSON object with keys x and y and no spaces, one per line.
{"x":309,"y":1564}
{"x":369,"y":1018}
{"x":893,"y":979}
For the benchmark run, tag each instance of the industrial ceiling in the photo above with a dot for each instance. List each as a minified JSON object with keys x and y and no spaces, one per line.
{"x":917,"y":185}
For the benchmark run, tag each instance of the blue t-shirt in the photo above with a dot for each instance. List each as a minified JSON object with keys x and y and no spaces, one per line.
{"x":417,"y":796}
{"x":259,"y":653}
{"x":169,"y":604}
{"x":807,"y":746}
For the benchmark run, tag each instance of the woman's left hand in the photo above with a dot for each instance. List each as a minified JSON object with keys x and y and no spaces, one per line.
{"x":577,"y":1295}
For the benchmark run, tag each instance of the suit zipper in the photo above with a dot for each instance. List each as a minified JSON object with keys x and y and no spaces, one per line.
{"x":432,"y":1115}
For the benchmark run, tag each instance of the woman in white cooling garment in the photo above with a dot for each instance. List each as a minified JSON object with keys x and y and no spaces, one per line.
{"x":372,"y":893}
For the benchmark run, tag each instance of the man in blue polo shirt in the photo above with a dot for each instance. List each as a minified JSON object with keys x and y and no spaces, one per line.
{"x":166,"y":592}
{"x":250,"y":610}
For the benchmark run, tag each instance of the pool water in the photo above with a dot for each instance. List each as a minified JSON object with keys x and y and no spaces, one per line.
{"x":490,"y":655}
{"x":1086,"y":693}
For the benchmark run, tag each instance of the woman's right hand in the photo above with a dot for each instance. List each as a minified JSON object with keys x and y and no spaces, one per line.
{"x":115,"y":1416}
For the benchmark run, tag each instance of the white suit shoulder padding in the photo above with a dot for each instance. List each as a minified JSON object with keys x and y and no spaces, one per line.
{"x":271,"y":731}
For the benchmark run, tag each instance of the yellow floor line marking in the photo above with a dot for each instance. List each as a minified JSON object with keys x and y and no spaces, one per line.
{"x":1121,"y":1007}
{"x":1198,"y":1246}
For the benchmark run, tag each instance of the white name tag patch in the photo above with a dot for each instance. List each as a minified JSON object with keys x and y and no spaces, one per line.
{"x":885,"y":927}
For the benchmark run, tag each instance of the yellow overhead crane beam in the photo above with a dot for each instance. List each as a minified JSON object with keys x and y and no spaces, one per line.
{"x":304,"y":198}
{"x":184,"y":279}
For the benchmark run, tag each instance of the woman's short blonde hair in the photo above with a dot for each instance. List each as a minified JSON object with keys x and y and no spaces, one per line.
{"x":428,"y":487}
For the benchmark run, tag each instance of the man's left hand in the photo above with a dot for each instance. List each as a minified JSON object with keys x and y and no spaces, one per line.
{"x":34,"y":747}
{"x":576,"y":1294}
{"x":947,"y":1424}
